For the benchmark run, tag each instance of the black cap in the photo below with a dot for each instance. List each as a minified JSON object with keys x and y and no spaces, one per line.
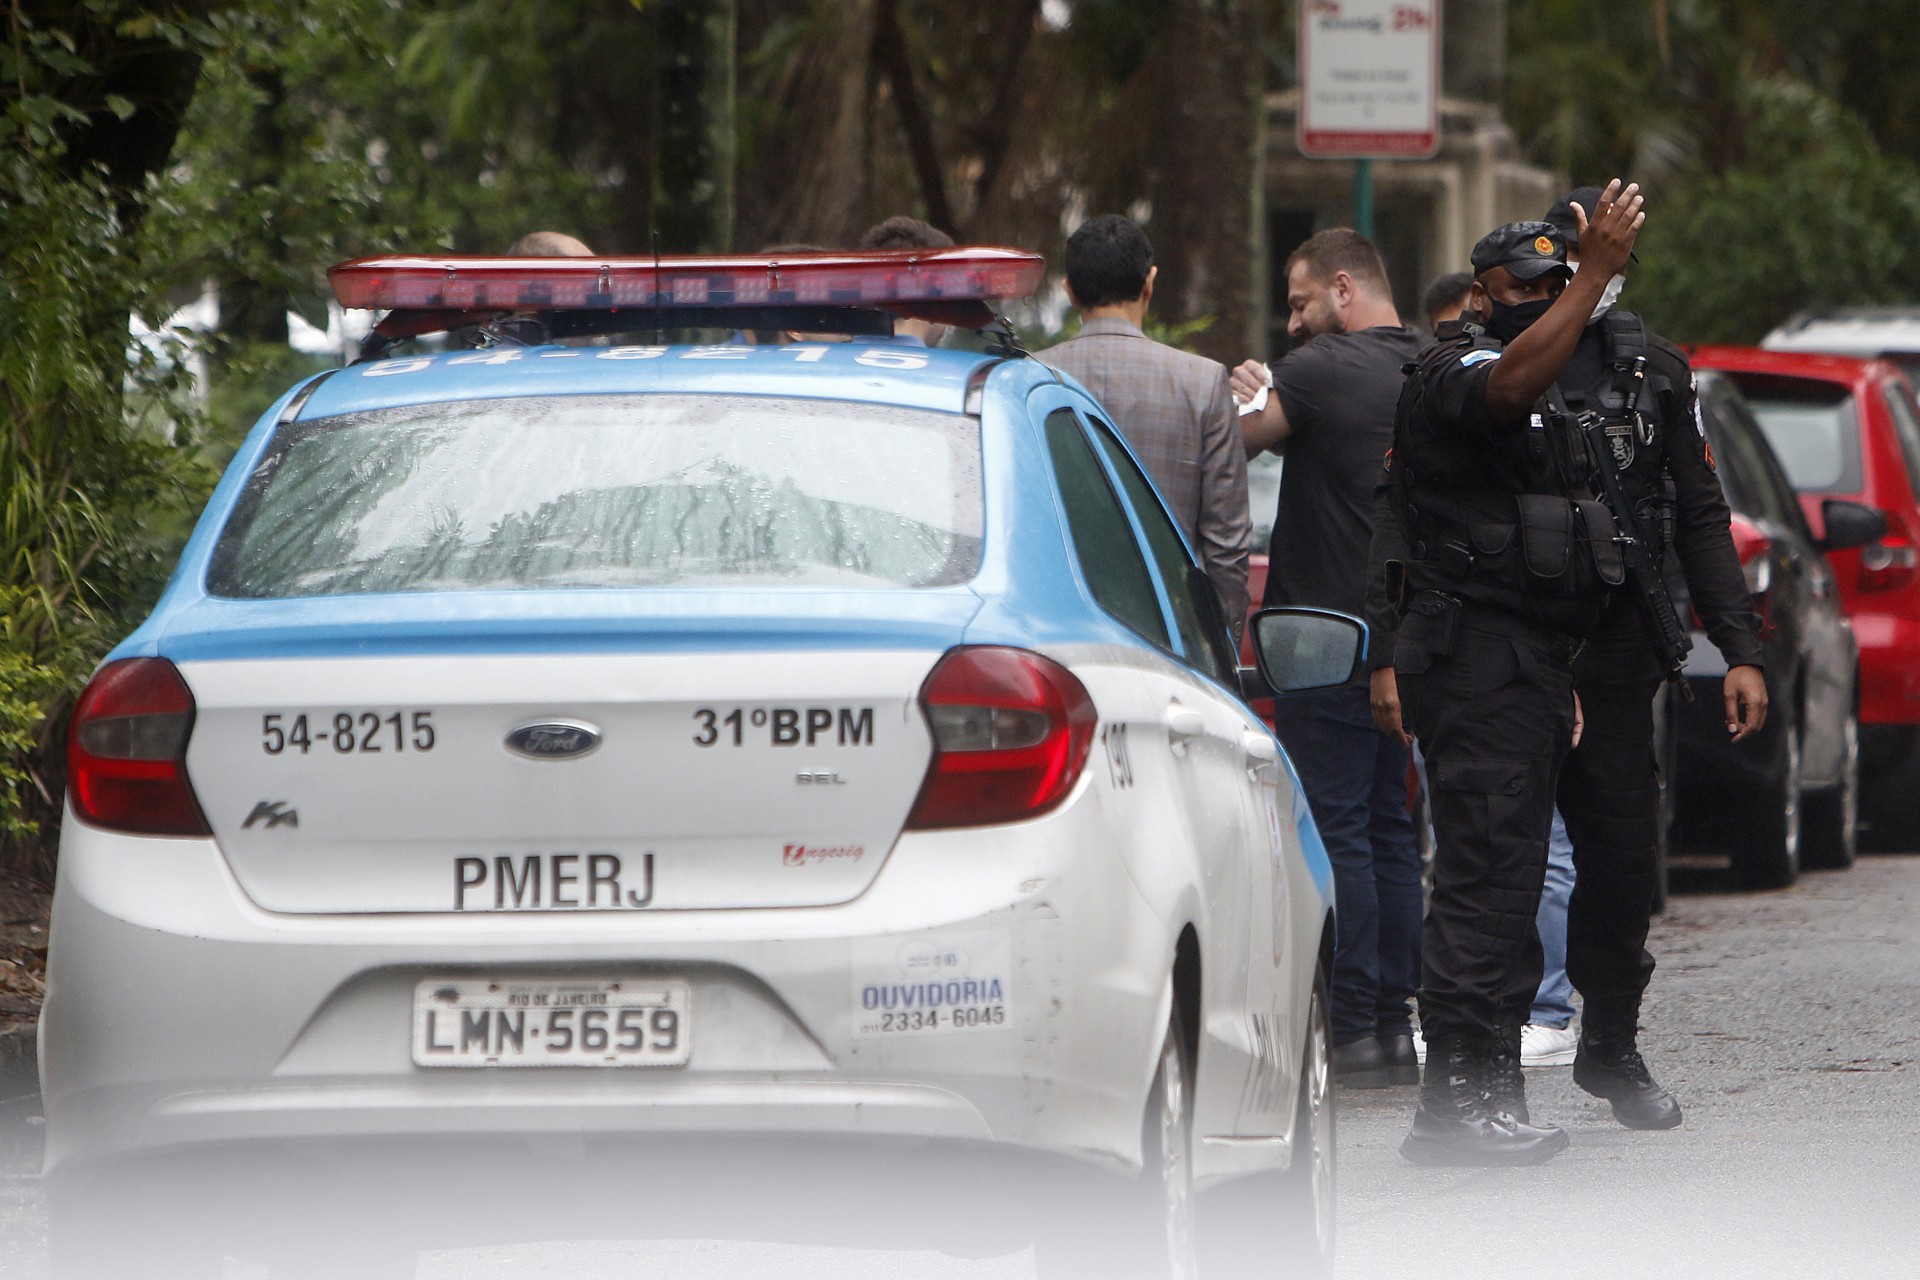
{"x":1527,"y":249}
{"x":1561,"y":215}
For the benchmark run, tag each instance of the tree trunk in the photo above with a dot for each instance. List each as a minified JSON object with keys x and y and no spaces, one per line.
{"x":153,"y":75}
{"x":694,"y":130}
{"x":1204,"y":224}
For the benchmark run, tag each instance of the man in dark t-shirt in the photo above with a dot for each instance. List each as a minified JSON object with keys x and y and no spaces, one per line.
{"x":1329,"y":408}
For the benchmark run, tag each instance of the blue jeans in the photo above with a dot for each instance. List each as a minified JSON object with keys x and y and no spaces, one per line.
{"x":1355,"y":778}
{"x":1553,"y":1003}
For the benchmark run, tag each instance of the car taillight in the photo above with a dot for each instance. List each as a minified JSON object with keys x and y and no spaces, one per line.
{"x":127,"y":749}
{"x":1011,"y":731}
{"x":1754,"y":549}
{"x":1887,"y":565}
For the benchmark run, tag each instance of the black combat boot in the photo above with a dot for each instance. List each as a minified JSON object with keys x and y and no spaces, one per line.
{"x":1457,"y":1124}
{"x":1506,"y":1087}
{"x":1608,"y":1065}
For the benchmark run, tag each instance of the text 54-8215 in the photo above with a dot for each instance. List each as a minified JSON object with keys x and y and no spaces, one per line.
{"x":347,"y":732}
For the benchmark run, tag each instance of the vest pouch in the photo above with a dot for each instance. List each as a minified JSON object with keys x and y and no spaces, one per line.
{"x":1493,"y":556}
{"x":1546,"y":539}
{"x":1609,"y":562}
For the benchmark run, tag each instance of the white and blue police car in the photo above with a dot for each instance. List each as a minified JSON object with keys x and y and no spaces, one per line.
{"x":832,"y":737}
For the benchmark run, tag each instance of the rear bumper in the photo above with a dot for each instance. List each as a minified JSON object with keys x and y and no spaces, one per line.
{"x":180,"y":1013}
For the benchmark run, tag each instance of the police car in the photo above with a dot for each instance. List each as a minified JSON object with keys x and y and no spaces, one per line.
{"x":832,"y":736}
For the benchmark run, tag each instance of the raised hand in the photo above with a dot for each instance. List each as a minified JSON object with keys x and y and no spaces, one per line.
{"x":1606,"y":239}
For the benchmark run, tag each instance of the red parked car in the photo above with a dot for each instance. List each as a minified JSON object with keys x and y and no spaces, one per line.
{"x":1850,"y":428}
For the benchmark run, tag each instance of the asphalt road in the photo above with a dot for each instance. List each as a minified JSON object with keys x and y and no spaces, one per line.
{"x":1787,"y":1022}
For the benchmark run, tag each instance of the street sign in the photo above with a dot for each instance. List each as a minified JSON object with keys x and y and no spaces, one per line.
{"x":1369,"y":79}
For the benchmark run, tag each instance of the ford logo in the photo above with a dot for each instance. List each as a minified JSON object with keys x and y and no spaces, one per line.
{"x":554,"y":740}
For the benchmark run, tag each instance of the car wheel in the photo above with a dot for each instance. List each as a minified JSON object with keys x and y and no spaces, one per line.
{"x":1143,"y":1229}
{"x":1890,"y":792}
{"x":1167,"y":1148}
{"x":1767,"y":852}
{"x":1311,"y":1180}
{"x":1249,"y":1223}
{"x":1830,"y":817}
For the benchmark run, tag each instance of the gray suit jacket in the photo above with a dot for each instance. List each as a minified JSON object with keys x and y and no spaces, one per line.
{"x":1176,"y":412}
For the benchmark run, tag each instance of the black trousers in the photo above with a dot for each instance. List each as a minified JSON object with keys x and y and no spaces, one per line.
{"x":1490,"y":697}
{"x":1610,"y":800}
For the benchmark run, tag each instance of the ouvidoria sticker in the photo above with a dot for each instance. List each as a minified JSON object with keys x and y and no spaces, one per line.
{"x":932,"y":984}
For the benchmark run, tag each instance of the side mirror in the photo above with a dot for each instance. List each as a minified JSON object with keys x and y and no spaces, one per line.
{"x":1850,"y":524}
{"x":1302,"y":649}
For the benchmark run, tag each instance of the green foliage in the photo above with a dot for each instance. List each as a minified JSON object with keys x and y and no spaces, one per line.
{"x":1813,"y":215}
{"x":1769,"y":191}
{"x":86,"y":469}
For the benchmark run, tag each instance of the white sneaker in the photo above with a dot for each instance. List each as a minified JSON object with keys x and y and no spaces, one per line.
{"x":1547,"y":1046}
{"x":1419,"y":1048}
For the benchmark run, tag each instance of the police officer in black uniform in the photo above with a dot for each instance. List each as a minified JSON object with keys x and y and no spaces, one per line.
{"x":1608,"y":794}
{"x":1503,"y":564}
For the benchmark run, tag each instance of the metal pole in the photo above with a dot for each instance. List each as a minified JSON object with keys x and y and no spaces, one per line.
{"x":1363,"y":197}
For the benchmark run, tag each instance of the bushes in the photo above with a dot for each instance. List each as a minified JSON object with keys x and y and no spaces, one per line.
{"x":94,"y":471}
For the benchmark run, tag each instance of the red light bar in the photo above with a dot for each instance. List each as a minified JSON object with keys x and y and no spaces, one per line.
{"x":870,"y":279}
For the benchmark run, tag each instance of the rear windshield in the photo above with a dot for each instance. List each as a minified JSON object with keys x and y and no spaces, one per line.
{"x":1813,"y":429}
{"x":608,"y":491}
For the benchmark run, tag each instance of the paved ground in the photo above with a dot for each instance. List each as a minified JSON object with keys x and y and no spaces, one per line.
{"x":1788,"y":1022}
{"x":1789,"y":1025}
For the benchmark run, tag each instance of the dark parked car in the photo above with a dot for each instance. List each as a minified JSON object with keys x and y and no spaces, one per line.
{"x":1847,"y":428}
{"x":1788,"y":796}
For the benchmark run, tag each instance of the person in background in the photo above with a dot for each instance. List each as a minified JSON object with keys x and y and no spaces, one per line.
{"x":1173,"y":407}
{"x":1331,"y":412}
{"x":549,"y":244}
{"x":1446,"y":298}
{"x":902,"y":232}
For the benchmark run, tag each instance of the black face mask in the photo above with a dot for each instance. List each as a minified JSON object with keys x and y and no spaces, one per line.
{"x":1509,"y":322}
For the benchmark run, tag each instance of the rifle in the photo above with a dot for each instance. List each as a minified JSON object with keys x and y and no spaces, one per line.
{"x":1669,"y":635}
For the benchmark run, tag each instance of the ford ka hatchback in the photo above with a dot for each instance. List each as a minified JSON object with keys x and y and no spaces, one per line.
{"x":832,"y":739}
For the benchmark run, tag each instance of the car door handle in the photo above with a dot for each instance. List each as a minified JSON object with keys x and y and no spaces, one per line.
{"x":1184,"y":723}
{"x":1260,"y":748}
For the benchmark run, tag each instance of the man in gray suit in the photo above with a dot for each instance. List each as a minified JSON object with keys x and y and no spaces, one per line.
{"x":1174,"y":408}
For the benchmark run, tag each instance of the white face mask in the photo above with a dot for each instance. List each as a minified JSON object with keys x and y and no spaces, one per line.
{"x":1610,"y":296}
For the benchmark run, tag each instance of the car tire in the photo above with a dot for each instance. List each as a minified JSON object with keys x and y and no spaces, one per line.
{"x":1145,"y":1228}
{"x":1167,"y":1149}
{"x":1766,"y":851}
{"x":1830,"y":816}
{"x":1311,"y":1185}
{"x":1248,"y":1222}
{"x":1890,"y":792}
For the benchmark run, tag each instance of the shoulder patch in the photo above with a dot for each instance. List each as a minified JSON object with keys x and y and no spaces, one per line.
{"x":1480,"y":356}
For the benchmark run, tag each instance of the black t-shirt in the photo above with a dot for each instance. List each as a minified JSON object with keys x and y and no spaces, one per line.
{"x":1338,"y":392}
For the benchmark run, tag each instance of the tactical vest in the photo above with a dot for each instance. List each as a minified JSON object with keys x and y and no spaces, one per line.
{"x":1522,"y":514}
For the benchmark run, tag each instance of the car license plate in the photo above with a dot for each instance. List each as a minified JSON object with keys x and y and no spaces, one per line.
{"x":474,"y":1022}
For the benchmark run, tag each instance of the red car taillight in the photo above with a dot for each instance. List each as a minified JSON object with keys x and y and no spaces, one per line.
{"x":1011,"y":731}
{"x":1887,"y":565}
{"x":127,"y":749}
